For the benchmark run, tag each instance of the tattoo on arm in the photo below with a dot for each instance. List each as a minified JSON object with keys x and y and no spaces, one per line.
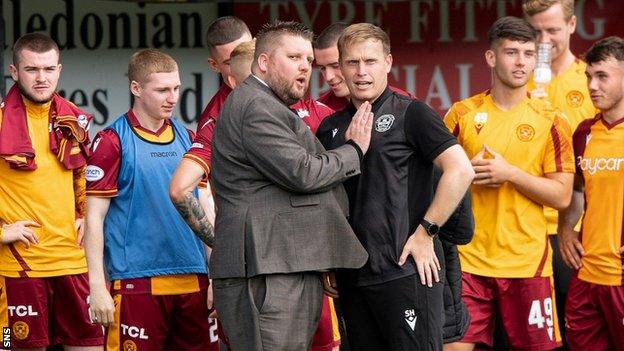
{"x":192,"y":212}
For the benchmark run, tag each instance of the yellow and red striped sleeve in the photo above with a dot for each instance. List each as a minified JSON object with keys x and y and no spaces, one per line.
{"x":559,"y":154}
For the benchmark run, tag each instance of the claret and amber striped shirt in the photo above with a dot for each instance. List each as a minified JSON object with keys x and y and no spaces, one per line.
{"x":599,"y":151}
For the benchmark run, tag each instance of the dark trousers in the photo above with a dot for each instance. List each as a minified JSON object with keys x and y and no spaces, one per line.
{"x":401,"y":314}
{"x":562,"y":276}
{"x":269,"y":312}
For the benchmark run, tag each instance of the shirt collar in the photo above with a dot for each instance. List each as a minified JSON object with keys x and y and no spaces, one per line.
{"x":260,"y":80}
{"x":134,"y":122}
{"x":377,"y":103}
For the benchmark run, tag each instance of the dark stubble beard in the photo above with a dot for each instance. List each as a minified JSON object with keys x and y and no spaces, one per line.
{"x":32,"y":98}
{"x":284,"y":90}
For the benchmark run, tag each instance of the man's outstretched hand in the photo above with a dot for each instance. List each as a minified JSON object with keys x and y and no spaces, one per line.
{"x":361,"y":126}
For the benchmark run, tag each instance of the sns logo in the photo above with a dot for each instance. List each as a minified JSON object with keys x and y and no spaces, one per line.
{"x":6,"y":338}
{"x":22,"y":311}
{"x":410,"y":318}
{"x":134,"y":332}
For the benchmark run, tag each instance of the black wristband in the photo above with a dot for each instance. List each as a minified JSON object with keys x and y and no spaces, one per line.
{"x":357,"y":148}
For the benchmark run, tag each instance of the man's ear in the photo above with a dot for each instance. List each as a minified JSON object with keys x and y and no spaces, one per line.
{"x":13,"y":70}
{"x":212,"y":64}
{"x":490,"y":58}
{"x":263,"y":62}
{"x":572,"y":24}
{"x":135,"y":88}
{"x":389,"y":62}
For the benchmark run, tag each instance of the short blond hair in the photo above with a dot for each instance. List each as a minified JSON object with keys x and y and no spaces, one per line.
{"x":241,"y":58}
{"x":244,"y":49}
{"x":145,"y":62}
{"x":359,"y":32}
{"x":533,"y":7}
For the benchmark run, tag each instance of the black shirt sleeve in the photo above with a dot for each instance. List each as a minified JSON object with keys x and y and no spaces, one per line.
{"x":357,"y":148}
{"x":425,"y":131}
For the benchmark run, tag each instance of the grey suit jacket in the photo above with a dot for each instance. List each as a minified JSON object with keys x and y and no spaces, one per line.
{"x":281,"y":205}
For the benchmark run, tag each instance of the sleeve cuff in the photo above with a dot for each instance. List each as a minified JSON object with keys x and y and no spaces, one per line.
{"x":357,"y":148}
{"x":102,"y":193}
{"x":199,"y":161}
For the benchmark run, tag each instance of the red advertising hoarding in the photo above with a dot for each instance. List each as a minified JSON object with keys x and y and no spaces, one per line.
{"x":438,"y":46}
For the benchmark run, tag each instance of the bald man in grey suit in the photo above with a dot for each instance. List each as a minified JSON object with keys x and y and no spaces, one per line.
{"x":282,"y":210}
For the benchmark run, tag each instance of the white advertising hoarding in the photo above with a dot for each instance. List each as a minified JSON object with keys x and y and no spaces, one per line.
{"x":97,"y":38}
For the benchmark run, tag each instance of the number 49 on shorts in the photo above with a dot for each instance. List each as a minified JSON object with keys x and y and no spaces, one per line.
{"x":541,"y":315}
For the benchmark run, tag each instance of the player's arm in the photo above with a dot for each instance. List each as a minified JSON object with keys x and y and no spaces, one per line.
{"x":192,"y":169}
{"x":552,"y":190}
{"x":185,"y":179}
{"x":456,"y":177}
{"x":431,"y":138}
{"x":570,"y":246}
{"x":103,"y":167}
{"x":101,"y":306}
{"x":190,"y":172}
{"x":207,"y":201}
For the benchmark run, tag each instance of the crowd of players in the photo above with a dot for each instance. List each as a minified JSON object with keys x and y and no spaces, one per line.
{"x":422,"y":231}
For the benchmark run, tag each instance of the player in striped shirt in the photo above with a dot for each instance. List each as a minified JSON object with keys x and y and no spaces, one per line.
{"x":595,"y":305}
{"x":521,"y":152}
